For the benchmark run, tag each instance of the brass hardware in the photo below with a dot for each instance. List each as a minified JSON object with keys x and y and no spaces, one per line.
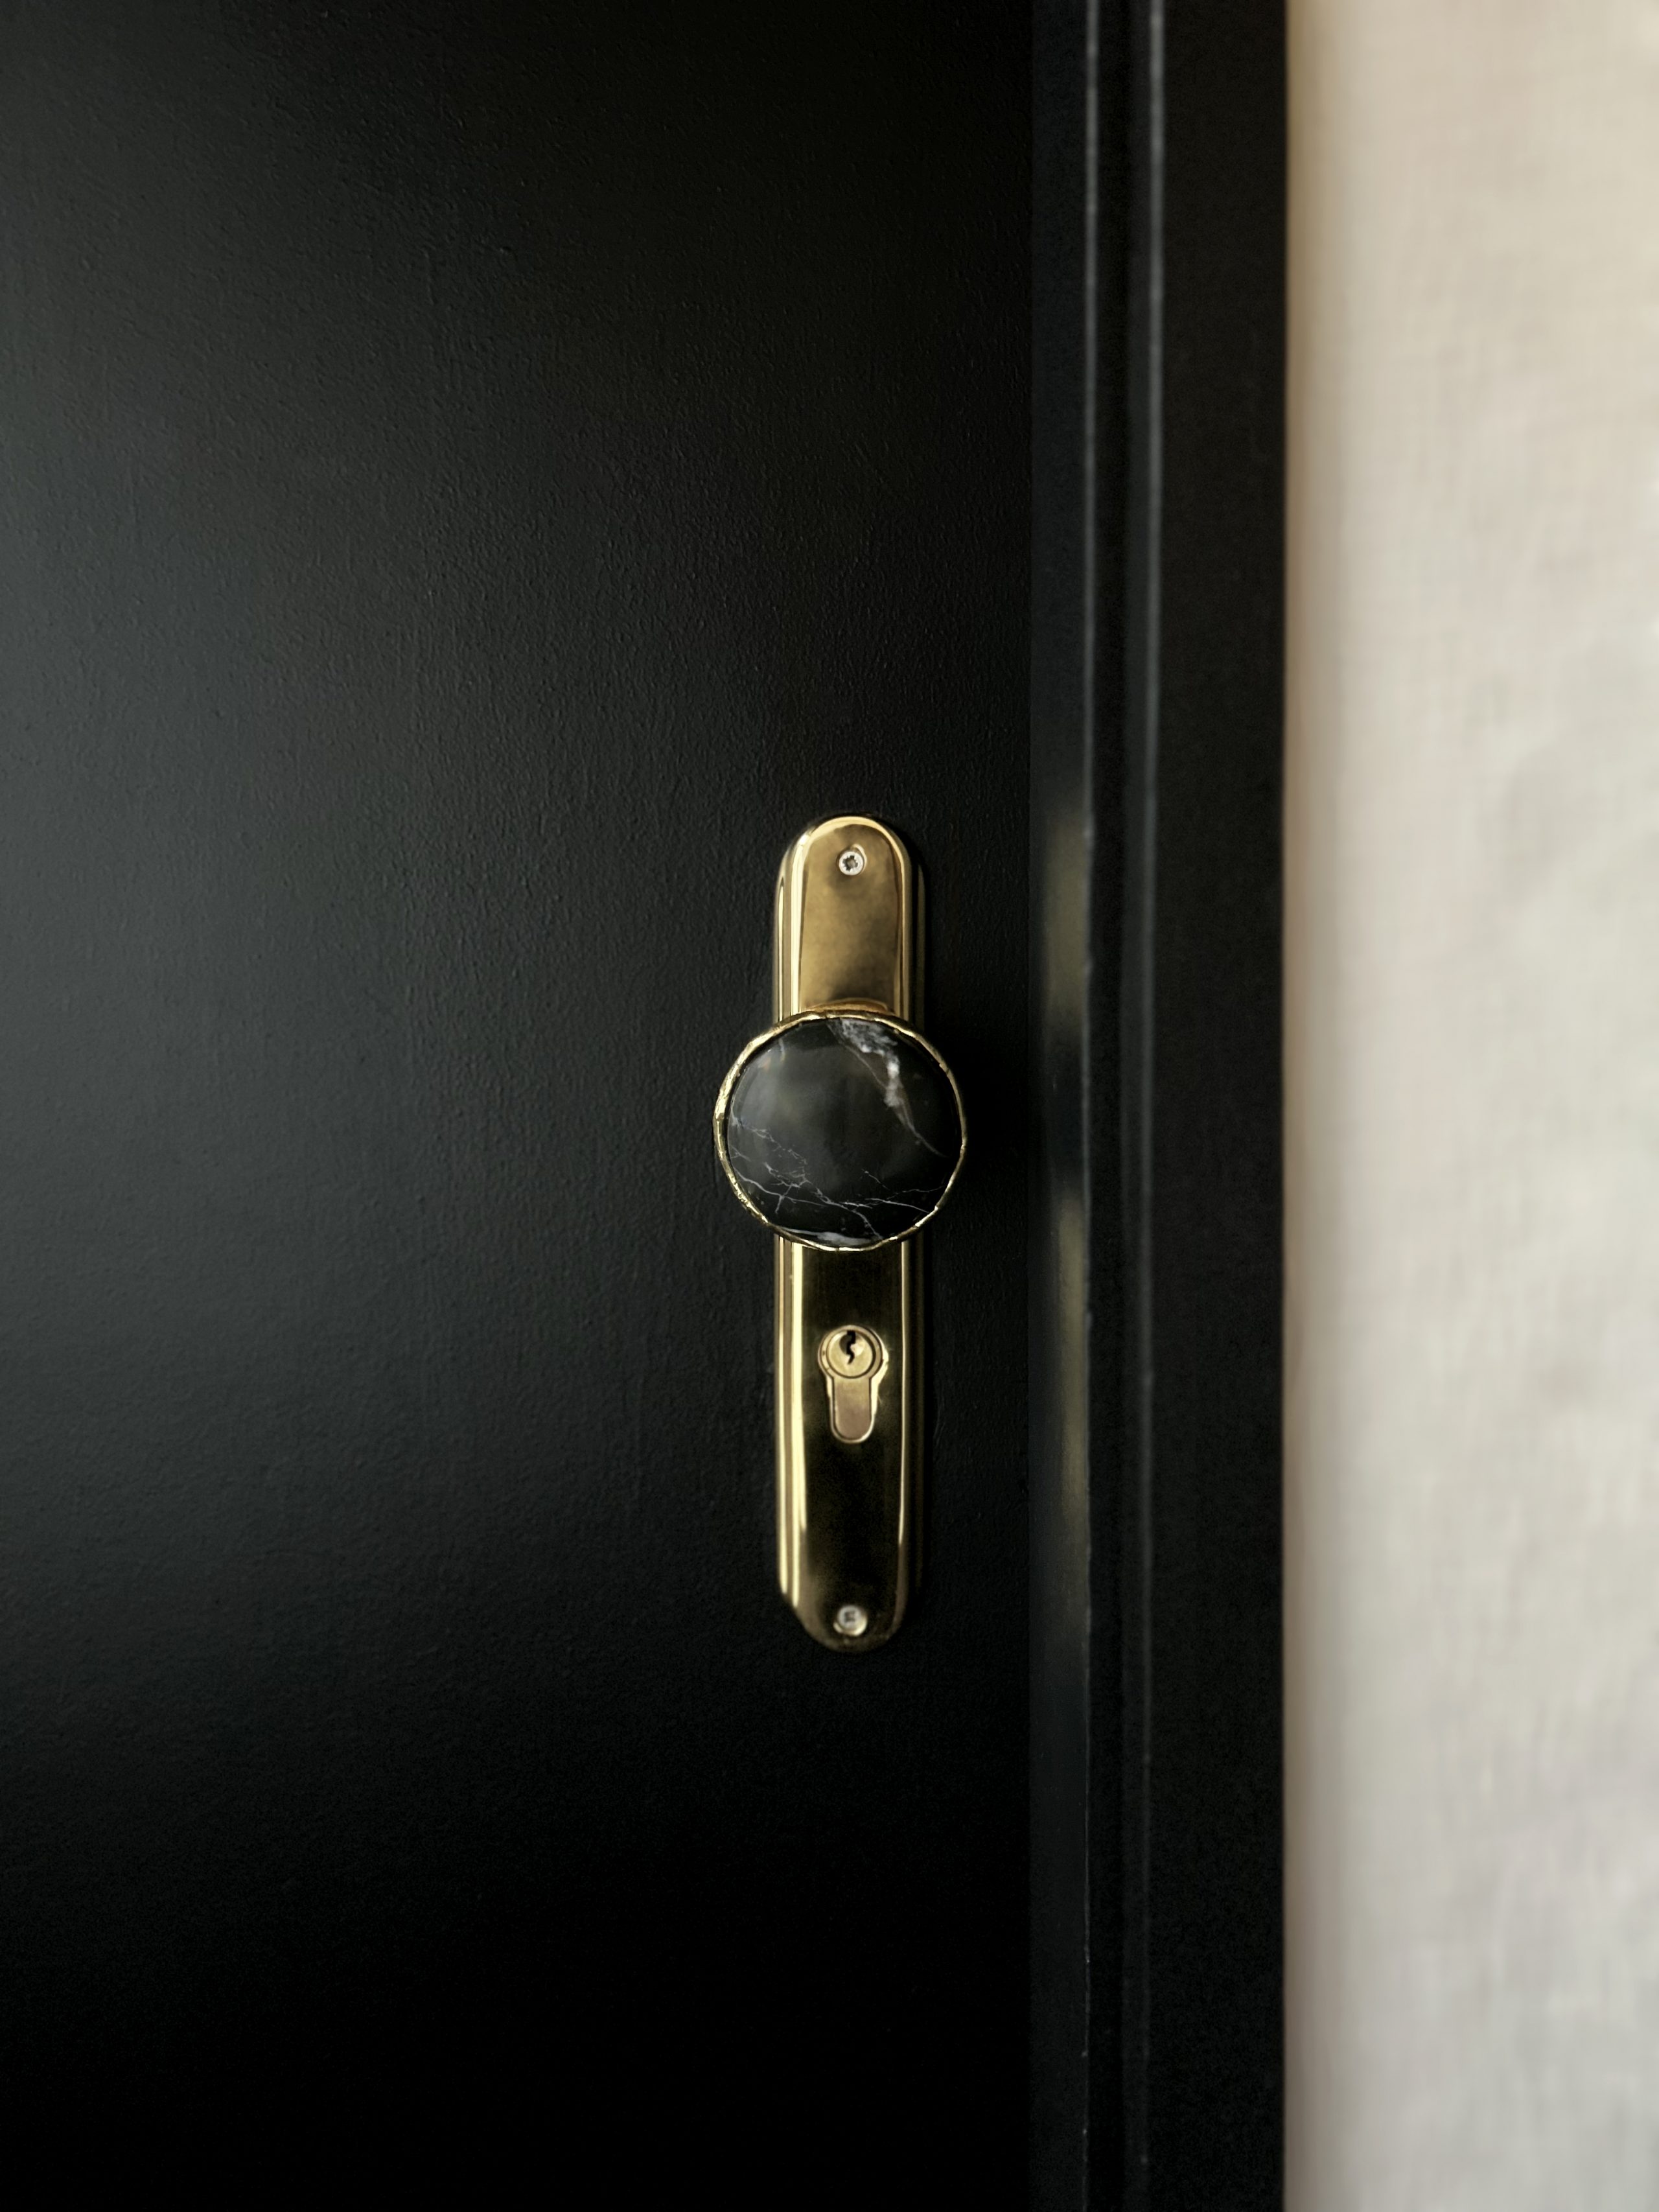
{"x":852,"y":1360}
{"x":848,"y":1308}
{"x":845,"y":937}
{"x":847,"y":1355}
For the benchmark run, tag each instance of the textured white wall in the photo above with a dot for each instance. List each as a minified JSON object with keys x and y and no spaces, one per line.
{"x":1473,"y":1077}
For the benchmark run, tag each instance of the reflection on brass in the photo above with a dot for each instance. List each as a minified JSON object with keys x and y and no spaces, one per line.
{"x":847,"y":1442}
{"x":845,"y":939}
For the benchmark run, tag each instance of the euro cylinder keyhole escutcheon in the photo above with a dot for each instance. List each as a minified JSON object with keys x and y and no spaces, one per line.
{"x":853,"y":1360}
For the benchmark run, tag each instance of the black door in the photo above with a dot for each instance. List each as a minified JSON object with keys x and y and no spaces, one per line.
{"x":479,"y":480}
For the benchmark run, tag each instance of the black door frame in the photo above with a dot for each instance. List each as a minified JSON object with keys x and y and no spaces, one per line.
{"x":1156,"y":1342}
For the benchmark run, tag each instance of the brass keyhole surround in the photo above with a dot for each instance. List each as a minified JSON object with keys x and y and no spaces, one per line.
{"x":852,"y":1360}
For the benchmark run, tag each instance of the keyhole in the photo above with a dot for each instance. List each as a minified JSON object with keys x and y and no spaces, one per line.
{"x":852,"y":1360}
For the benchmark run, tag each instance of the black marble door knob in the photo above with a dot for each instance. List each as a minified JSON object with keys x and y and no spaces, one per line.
{"x":841,"y":1129}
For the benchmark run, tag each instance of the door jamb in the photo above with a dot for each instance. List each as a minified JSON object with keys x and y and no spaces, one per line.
{"x":1156,"y":1327}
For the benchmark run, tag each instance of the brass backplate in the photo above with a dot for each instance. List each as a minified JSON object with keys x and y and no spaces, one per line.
{"x":845,"y":934}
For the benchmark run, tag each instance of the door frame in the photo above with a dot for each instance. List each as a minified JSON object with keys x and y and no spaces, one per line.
{"x":1155,"y":1344}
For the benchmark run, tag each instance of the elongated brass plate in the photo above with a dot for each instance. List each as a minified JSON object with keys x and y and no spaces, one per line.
{"x":848,"y":1338}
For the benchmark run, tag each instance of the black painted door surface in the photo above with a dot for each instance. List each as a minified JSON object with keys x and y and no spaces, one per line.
{"x":477,"y":481}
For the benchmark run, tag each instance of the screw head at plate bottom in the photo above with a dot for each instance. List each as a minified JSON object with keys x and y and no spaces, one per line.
{"x":851,"y":1620}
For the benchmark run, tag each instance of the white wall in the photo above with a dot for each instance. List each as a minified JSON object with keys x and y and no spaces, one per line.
{"x":1473,"y":1077}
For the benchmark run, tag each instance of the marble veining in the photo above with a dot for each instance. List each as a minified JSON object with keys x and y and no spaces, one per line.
{"x":844,"y":1130}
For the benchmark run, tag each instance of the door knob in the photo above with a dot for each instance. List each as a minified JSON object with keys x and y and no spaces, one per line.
{"x":841,"y":1129}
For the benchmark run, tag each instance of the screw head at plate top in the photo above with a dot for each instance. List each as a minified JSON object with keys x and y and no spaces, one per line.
{"x":851,"y":862}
